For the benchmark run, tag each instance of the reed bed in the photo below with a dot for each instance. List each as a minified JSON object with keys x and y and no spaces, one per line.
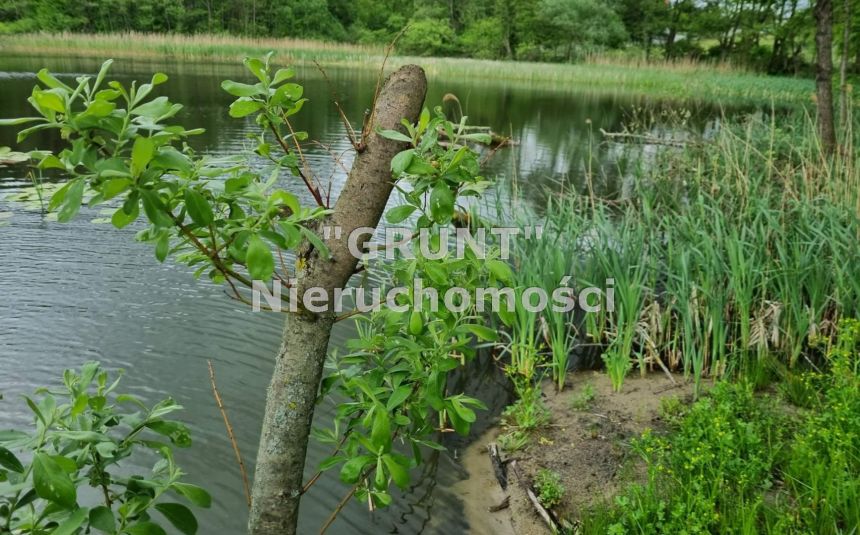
{"x":679,"y":80}
{"x":729,"y":256}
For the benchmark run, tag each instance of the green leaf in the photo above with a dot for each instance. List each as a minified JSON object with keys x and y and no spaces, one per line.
{"x":177,"y":432}
{"x":285,"y":198}
{"x":162,"y":246}
{"x":397,"y":397}
{"x":121,"y":219}
{"x":436,"y":271}
{"x":158,"y":78}
{"x":283,"y":74}
{"x":50,"y":101}
{"x":441,"y":203}
{"x":141,"y":154}
{"x":113,"y":187}
{"x":195,"y":494}
{"x":52,"y":483}
{"x":83,"y":436}
{"x":351,"y":470}
{"x":180,"y":516}
{"x":9,"y":461}
{"x":395,"y":135}
{"x":380,"y":433}
{"x":244,"y":106}
{"x":401,"y":161}
{"x":169,"y":158}
{"x":12,"y":436}
{"x":399,"y":213}
{"x":501,"y":270}
{"x":482,"y":332}
{"x":72,"y":523}
{"x":317,"y":243}
{"x":416,"y":323}
{"x":399,"y":474}
{"x":19,"y":120}
{"x":198,"y":208}
{"x":241,"y":90}
{"x":157,"y":108}
{"x":100,"y":108}
{"x":419,"y":166}
{"x":287,"y":92}
{"x":71,"y":201}
{"x":462,"y":411}
{"x":259,"y":259}
{"x":49,"y":80}
{"x":145,"y":528}
{"x":102,"y":519}
{"x":257,"y":68}
{"x":155,"y":210}
{"x":330,"y":462}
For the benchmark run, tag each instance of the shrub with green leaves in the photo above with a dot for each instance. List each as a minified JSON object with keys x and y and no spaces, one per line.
{"x":229,"y":221}
{"x":549,"y":487}
{"x":85,"y":435}
{"x":741,"y":462}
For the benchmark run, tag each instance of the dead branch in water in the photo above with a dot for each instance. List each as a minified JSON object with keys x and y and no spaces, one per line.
{"x":498,"y":466}
{"x":646,"y":140}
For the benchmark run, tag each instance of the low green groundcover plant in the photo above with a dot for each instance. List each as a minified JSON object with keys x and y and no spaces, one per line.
{"x":85,"y":435}
{"x":742,"y":462}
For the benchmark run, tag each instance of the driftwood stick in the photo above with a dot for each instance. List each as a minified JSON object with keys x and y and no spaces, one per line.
{"x":498,"y":466}
{"x":230,"y":433}
{"x":503,"y":505}
{"x":541,"y":511}
{"x":547,"y":517}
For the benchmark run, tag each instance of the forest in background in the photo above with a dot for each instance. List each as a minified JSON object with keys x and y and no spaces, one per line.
{"x":774,"y":36}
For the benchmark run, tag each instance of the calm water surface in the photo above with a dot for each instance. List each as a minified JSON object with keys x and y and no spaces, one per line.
{"x":82,"y":291}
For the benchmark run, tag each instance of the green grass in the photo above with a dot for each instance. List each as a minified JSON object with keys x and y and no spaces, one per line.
{"x":738,"y":462}
{"x":725,"y":255}
{"x":682,"y":80}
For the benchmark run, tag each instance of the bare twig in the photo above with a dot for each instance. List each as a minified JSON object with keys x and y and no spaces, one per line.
{"x":338,"y":509}
{"x":353,"y":139}
{"x":286,"y":148}
{"x":368,"y":119}
{"x":230,"y":433}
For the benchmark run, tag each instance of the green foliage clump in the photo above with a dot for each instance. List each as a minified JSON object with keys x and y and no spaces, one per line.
{"x":527,"y":414}
{"x":229,"y":221}
{"x":88,"y":435}
{"x":582,"y":399}
{"x":428,"y":37}
{"x":549,"y":488}
{"x":741,"y":462}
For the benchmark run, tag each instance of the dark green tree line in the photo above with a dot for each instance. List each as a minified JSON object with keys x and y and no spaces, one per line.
{"x":775,"y":36}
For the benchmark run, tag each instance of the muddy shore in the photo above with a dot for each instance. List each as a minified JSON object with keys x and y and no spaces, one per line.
{"x":586,"y":443}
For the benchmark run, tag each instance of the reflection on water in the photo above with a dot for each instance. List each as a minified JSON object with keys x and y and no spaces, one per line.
{"x":80,"y":291}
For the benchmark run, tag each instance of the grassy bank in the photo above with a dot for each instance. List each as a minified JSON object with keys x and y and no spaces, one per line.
{"x":733,"y":259}
{"x":680,"y":80}
{"x":782,"y":461}
{"x":726,"y":256}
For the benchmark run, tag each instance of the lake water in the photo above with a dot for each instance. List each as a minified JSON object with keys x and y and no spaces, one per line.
{"x":82,"y":291}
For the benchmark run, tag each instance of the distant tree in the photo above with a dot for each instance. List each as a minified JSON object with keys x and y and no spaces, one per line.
{"x":824,"y":73}
{"x":429,"y":37}
{"x":584,"y":24}
{"x":484,"y":39}
{"x":644,"y":21}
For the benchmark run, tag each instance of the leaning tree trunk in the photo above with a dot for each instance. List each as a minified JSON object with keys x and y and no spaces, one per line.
{"x":278,"y":477}
{"x":824,"y":73}
{"x":843,"y":69}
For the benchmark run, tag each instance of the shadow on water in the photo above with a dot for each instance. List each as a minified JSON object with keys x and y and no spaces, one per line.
{"x":82,"y":291}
